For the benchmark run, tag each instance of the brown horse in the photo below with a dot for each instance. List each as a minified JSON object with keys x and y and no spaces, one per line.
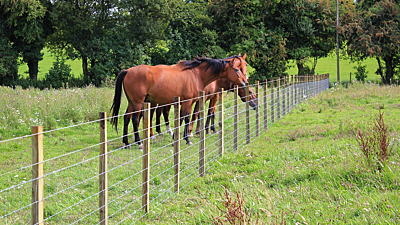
{"x":166,"y":108}
{"x":211,"y":91}
{"x":160,"y":84}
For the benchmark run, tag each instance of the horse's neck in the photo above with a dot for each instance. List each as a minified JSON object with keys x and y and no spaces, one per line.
{"x":206,"y":77}
{"x":223,"y":83}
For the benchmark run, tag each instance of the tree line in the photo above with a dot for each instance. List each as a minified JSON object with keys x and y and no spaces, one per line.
{"x":111,"y":35}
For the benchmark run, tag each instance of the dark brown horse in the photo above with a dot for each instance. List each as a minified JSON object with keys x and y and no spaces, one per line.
{"x":211,"y":91}
{"x":160,"y":84}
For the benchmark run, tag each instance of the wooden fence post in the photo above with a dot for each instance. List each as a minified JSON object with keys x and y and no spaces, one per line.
{"x":37,"y":175}
{"x":103,"y":170}
{"x":257,"y":109}
{"x":292,"y":92}
{"x":283,"y":96}
{"x":221,"y":122}
{"x":247,"y":114}
{"x":265,"y":105}
{"x":296,"y":89}
{"x":177,"y":143}
{"x":236,"y":118}
{"x":146,"y":158}
{"x":278,"y":103}
{"x":202,"y":145}
{"x":272,"y":101}
{"x":287,"y":94}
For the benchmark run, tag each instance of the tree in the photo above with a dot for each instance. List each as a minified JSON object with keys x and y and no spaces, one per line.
{"x":27,"y":26}
{"x":190,"y":33}
{"x":8,"y":61}
{"x":108,"y":35}
{"x":372,"y":30}
{"x":309,"y":28}
{"x":243,"y":26}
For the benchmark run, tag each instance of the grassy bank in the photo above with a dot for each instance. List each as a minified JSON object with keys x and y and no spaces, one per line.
{"x":305,"y":169}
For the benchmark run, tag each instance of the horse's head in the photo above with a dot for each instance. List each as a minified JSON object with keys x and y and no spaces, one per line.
{"x":252,"y":97}
{"x":236,"y":70}
{"x":242,"y":94}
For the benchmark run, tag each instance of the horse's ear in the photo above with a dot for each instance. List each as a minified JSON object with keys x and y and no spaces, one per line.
{"x":240,"y":54}
{"x":244,"y":56}
{"x":232,"y":62}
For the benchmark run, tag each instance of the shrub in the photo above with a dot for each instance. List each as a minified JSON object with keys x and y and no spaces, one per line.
{"x":58,"y":75}
{"x":361,"y":73}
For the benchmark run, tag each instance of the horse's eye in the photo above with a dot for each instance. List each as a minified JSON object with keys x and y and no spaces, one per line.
{"x":237,"y":70}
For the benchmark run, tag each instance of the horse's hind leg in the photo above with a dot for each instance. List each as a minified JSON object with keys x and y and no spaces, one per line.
{"x":211,"y":114}
{"x":135,"y":121}
{"x":127,"y":118}
{"x":165,"y":112}
{"x":185,"y":113}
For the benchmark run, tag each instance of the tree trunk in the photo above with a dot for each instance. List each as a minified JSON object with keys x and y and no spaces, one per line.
{"x":300,"y":67}
{"x":389,"y":70}
{"x":85,"y":69}
{"x":314,"y":65}
{"x":33,"y":66}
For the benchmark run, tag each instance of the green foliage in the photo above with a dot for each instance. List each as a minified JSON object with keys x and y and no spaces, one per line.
{"x":361,"y":73}
{"x":59,"y":75}
{"x":372,"y":32}
{"x":27,"y":25}
{"x":8,"y":61}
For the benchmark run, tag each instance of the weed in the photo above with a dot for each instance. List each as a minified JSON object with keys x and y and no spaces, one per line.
{"x":233,"y":210}
{"x":374,"y":143}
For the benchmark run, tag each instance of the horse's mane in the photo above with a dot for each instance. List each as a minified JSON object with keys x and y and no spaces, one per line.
{"x":216,"y":65}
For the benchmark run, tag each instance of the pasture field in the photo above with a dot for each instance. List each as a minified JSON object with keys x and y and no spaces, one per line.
{"x":325,"y":65}
{"x":305,"y":168}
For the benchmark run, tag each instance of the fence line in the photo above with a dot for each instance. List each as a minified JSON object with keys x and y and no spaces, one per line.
{"x":106,"y":183}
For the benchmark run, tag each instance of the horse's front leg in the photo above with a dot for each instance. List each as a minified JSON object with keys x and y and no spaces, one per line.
{"x":158,"y":115}
{"x":194,"y":117}
{"x":152,"y":105}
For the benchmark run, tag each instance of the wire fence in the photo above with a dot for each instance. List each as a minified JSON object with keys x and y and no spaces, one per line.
{"x":96,"y":180}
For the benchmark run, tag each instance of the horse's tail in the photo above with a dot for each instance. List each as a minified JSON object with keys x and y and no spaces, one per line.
{"x":117,"y":98}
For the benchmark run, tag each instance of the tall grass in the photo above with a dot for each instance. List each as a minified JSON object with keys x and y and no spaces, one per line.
{"x":305,"y":169}
{"x":22,"y":108}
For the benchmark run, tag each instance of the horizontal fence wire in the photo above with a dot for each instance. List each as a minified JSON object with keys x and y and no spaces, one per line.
{"x":68,"y":191}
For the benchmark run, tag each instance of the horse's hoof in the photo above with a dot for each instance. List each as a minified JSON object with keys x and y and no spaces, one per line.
{"x":153,"y":137}
{"x":141,"y":146}
{"x":189,"y":143}
{"x":215,"y":131}
{"x":191,"y":135}
{"x":171,"y":133}
{"x":128,"y":146}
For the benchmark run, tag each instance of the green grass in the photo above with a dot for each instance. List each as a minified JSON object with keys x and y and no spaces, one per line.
{"x":325,"y":65}
{"x":329,"y":65}
{"x":46,"y":64}
{"x":306,"y":168}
